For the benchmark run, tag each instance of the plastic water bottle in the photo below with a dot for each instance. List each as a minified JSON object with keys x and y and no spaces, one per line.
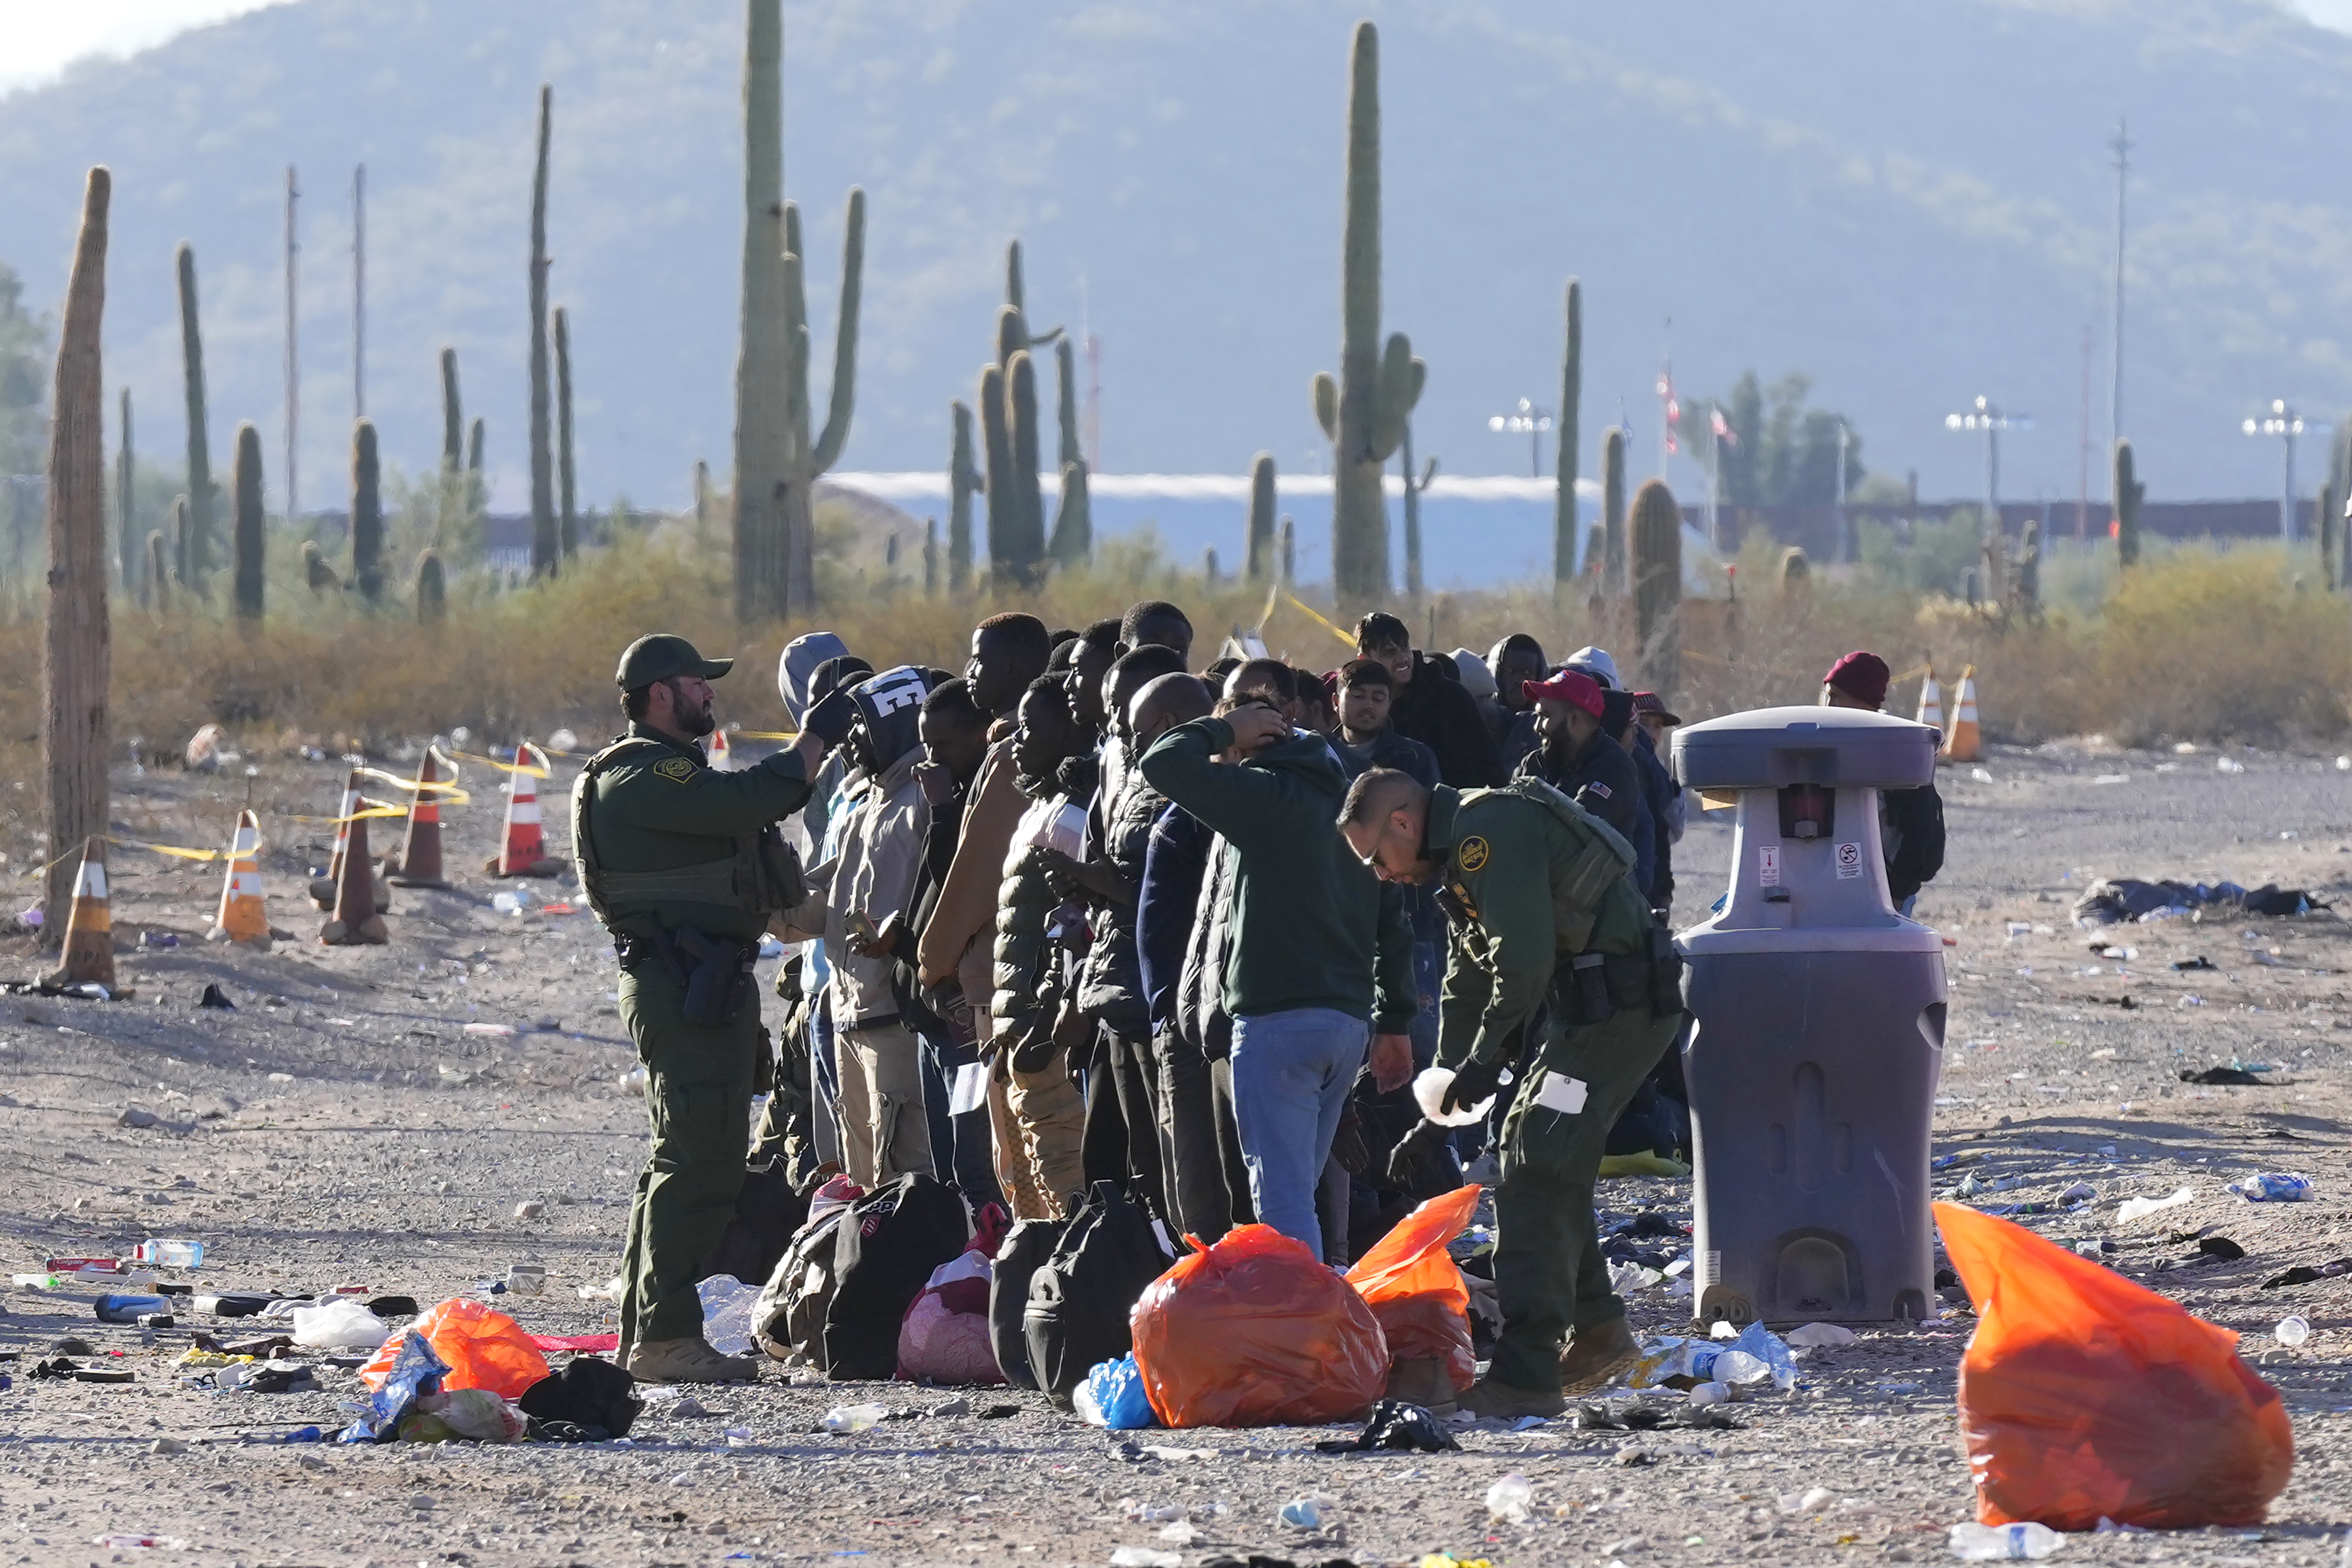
{"x":2272,"y":1187}
{"x":120,"y":1309}
{"x":854,"y":1418}
{"x":2291,"y":1331}
{"x":1994,"y":1542}
{"x":1508,"y":1499}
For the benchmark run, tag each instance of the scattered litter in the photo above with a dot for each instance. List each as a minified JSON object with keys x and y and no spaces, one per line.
{"x":1145,"y":1557}
{"x":854,"y":1418}
{"x":1305,"y":1512}
{"x":1812,"y":1500}
{"x":2140,"y":1209}
{"x":2273,"y":1187}
{"x":1707,"y":1393}
{"x":2228,"y":765}
{"x":124,"y":1543}
{"x":727,"y":1308}
{"x":531,"y":1209}
{"x":1992,"y":1542}
{"x":1821,"y":1334}
{"x":1113,"y":1396}
{"x":2291,"y":1331}
{"x":341,"y":1324}
{"x":1506,"y":1499}
{"x":1393,"y":1424}
{"x":2303,"y":1273}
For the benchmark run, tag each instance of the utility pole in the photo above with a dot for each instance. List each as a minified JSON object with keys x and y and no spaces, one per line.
{"x":2083,"y":493}
{"x":293,"y":370}
{"x":359,"y":292}
{"x":2121,"y":146}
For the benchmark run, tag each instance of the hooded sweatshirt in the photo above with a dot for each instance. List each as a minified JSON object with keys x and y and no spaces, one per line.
{"x":1311,"y":926}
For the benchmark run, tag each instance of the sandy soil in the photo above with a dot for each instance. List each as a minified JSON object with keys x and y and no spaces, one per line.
{"x":339,"y":1127}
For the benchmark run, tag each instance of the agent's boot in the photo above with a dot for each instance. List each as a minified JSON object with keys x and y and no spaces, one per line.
{"x":1486,"y":1398}
{"x":1597,"y":1357}
{"x":688,"y":1361}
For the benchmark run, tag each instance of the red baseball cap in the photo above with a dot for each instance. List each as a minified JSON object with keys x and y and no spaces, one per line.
{"x":1572,"y":687}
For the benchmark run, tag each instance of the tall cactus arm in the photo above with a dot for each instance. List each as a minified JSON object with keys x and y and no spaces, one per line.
{"x":844,"y":395}
{"x":1401,"y":377}
{"x":1326,"y":404}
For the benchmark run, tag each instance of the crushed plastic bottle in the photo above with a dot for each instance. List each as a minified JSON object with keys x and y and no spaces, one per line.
{"x":2291,"y":1331}
{"x":1306,"y":1512}
{"x":727,"y":1304}
{"x":853,"y":1417}
{"x":1998,"y":1543}
{"x":1772,"y":1351}
{"x":1508,"y":1499}
{"x":1738,"y":1366}
{"x":2274,"y":1187}
{"x":1704,"y":1393}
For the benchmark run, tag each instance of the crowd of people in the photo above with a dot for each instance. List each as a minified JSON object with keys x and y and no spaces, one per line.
{"x":1085,"y":912}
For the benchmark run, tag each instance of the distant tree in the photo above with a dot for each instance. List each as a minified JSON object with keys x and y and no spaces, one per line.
{"x":1781,"y":452}
{"x":23,"y":380}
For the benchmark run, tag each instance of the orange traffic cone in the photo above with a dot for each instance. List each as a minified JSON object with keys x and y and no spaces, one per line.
{"x":722,"y":755}
{"x":322,"y":889}
{"x":355,"y":919}
{"x":242,"y":916}
{"x":88,"y":958}
{"x":1960,"y":745}
{"x":1931,"y":702}
{"x":419,"y":865}
{"x":525,"y":854}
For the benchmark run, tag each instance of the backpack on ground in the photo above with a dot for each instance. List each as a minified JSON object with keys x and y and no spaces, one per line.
{"x":768,"y":1214}
{"x":1079,"y":1298}
{"x":790,"y":1308}
{"x":1024,"y":1251}
{"x":884,"y":1252}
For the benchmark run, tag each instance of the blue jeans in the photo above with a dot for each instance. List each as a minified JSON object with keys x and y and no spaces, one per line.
{"x":1292,"y":1071}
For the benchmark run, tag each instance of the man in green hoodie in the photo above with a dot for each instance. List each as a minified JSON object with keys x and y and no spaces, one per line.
{"x":1319,"y":957}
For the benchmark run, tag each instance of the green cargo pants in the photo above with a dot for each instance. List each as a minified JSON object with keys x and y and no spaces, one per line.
{"x":698,"y":1100}
{"x":1549,"y":1272}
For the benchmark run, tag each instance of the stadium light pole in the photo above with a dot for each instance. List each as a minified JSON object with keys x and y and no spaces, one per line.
{"x":1990,"y":418}
{"x":2285,"y":423}
{"x":1528,"y":420}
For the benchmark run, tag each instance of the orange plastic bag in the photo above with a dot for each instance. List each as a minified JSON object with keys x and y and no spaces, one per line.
{"x":1255,"y":1331}
{"x":484,"y":1348}
{"x":2084,"y":1395}
{"x":1415,"y":1290}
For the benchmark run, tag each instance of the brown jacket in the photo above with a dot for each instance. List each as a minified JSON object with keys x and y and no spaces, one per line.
{"x":960,"y":939}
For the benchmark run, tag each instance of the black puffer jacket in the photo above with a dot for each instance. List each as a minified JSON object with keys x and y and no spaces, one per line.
{"x":1022,"y":979}
{"x":1435,"y":708}
{"x":1111,"y":985}
{"x":1201,"y":1015}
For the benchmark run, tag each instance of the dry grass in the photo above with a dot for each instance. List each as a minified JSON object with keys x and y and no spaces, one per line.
{"x":2202,"y":644}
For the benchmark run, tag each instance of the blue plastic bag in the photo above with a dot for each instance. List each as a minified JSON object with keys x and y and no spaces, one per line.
{"x":416,"y":1371}
{"x":1113,"y":1396}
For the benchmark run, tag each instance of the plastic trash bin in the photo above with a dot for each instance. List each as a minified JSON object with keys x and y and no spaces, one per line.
{"x":1818,"y":1026}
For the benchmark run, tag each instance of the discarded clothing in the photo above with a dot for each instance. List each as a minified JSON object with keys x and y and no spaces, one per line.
{"x":1395,"y":1424}
{"x":2111,"y":901}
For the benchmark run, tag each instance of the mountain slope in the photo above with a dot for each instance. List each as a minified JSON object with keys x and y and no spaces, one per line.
{"x":1908,"y":198}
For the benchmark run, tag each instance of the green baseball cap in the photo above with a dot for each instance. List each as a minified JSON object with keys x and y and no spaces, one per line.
{"x":662,"y":656}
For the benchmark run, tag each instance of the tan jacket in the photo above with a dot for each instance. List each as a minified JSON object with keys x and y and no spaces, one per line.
{"x":960,"y":939}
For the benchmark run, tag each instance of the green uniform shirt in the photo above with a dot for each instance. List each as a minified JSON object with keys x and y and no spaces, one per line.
{"x":1503,"y":857}
{"x":657,"y":810}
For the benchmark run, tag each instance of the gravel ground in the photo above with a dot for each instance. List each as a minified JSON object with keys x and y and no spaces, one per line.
{"x":342,"y":1128}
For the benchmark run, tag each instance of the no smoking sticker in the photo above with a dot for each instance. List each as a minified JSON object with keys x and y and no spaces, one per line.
{"x":1849,"y":861}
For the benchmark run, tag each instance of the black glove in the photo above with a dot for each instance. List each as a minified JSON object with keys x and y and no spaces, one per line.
{"x":830,"y":720}
{"x":1474,"y":1081}
{"x":1348,"y":1145}
{"x":1417,"y":1157}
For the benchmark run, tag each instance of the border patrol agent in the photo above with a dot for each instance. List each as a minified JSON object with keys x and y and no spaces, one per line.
{"x":1542,"y":909}
{"x":685,"y":865}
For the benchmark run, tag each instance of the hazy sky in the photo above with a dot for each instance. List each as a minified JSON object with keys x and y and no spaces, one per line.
{"x":45,"y":37}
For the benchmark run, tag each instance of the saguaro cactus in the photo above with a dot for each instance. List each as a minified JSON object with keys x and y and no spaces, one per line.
{"x":1073,"y":533}
{"x":126,"y":503}
{"x":1414,"y":487}
{"x":159,"y":573}
{"x":805,"y":459}
{"x":996,"y":449}
{"x":1612,"y":512}
{"x":763,"y":414}
{"x":1571,"y":392}
{"x":478,"y":494}
{"x":701,"y":504}
{"x":1363,"y":410}
{"x":180,"y":529}
{"x":567,"y":496}
{"x":1021,"y":428}
{"x":1658,"y":566}
{"x":367,"y":513}
{"x":2029,"y":570}
{"x":449,"y":524}
{"x":2130,"y":491}
{"x":247,"y":543}
{"x":2330,"y":536}
{"x":77,"y":647}
{"x":930,"y":558}
{"x":1257,"y":539}
{"x":546,"y":540}
{"x":1290,"y":552}
{"x":964,"y":481}
{"x":195,"y":547}
{"x":432,"y":589}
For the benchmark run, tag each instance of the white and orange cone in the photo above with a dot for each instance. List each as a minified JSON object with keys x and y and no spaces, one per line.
{"x":355,"y":919}
{"x":420,"y":852}
{"x":525,"y":852}
{"x":722,"y":755}
{"x":325,"y":891}
{"x":1931,"y":702}
{"x":1961,"y":745}
{"x":89,"y":957}
{"x":243,"y":917}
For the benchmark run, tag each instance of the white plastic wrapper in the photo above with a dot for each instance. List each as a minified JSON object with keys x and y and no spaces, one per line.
{"x":1429,"y":1092}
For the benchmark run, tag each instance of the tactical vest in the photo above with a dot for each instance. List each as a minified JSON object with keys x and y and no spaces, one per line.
{"x":1602,"y":858}
{"x":761,"y":876}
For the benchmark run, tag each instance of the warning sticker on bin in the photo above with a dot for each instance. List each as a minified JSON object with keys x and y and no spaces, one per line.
{"x":1849,"y":861}
{"x":1768,"y":865}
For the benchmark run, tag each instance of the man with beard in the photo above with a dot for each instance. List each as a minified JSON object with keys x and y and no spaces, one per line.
{"x":685,"y":865}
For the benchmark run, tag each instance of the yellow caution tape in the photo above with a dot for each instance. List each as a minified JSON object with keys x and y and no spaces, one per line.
{"x":1320,"y":620}
{"x":369,"y":808}
{"x":763,"y":734}
{"x":535,"y":770}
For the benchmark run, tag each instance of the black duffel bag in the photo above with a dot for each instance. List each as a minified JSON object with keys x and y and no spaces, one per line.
{"x":1080,"y":1296}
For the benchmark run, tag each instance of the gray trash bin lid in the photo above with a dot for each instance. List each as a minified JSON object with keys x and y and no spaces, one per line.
{"x":1767,"y":748}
